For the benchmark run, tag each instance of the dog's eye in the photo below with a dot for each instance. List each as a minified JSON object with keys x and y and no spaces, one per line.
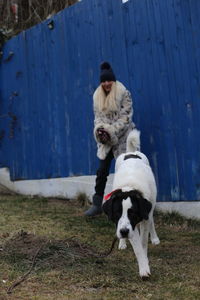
{"x":118,"y":215}
{"x":117,"y":211}
{"x":132,"y":213}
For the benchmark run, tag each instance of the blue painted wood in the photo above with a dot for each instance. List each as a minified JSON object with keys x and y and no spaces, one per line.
{"x":46,"y":88}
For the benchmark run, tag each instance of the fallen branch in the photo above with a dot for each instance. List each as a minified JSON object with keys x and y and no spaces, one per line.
{"x":85,"y":249}
{"x":23,"y":278}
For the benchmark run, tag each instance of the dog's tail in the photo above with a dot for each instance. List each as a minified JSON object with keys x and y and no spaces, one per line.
{"x":133,"y":141}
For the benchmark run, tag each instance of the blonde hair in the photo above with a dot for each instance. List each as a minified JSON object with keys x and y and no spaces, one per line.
{"x":107,"y":103}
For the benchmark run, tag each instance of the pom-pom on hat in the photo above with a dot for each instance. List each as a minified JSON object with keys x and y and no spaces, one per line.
{"x":106,"y":73}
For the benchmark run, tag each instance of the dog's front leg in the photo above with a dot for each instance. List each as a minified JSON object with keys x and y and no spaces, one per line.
{"x":122,"y":244}
{"x":144,"y":234}
{"x":154,"y":238}
{"x":140,"y":254}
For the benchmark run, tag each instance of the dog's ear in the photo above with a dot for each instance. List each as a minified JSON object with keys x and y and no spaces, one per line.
{"x":144,"y":208}
{"x":108,"y":208}
{"x":108,"y":204}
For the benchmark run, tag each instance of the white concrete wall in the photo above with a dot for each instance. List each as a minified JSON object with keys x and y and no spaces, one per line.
{"x":70,"y":187}
{"x":67,"y":187}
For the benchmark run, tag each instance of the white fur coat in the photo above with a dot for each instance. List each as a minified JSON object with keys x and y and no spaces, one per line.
{"x":118,"y":124}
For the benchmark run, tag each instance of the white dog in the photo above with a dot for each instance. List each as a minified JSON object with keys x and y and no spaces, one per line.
{"x":132,"y":202}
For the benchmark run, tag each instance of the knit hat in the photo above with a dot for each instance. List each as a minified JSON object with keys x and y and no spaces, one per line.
{"x":106,"y":72}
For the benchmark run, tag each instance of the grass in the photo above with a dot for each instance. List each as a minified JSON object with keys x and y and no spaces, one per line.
{"x":65,"y":268}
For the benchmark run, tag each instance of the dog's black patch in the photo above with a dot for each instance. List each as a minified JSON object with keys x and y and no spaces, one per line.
{"x":139,"y":211}
{"x":131,"y":156}
{"x":113,"y":206}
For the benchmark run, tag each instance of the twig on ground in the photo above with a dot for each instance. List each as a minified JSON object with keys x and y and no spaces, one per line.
{"x":85,"y":249}
{"x":23,"y":278}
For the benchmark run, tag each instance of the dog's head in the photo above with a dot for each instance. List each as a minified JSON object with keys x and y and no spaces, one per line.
{"x":126,"y":210}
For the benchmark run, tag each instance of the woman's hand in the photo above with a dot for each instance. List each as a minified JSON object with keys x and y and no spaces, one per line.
{"x":103,"y":136}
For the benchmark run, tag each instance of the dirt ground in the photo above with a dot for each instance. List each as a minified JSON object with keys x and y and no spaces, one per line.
{"x":49,"y":250}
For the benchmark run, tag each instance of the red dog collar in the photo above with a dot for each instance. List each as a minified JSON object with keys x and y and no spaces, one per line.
{"x":107,"y":197}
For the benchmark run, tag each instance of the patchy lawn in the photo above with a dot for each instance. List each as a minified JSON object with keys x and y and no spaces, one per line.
{"x":56,"y":244}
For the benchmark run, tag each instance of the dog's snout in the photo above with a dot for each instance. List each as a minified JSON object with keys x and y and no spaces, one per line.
{"x":124,"y":232}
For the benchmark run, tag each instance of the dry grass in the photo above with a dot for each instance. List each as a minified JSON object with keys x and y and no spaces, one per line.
{"x":66,"y":269}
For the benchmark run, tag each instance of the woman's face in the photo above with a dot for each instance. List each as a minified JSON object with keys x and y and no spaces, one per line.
{"x":107,"y":85}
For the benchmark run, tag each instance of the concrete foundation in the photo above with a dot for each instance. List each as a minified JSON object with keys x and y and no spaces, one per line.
{"x":70,"y":187}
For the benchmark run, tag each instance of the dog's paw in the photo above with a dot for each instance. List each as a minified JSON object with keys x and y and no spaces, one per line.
{"x":122,"y":244}
{"x":145,"y":274}
{"x":144,"y":271}
{"x":155,"y":241}
{"x":146,"y":277}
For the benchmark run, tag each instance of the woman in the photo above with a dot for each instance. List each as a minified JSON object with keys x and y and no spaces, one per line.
{"x":113,"y":112}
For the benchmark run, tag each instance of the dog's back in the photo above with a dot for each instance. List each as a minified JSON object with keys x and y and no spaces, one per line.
{"x":132,"y":171}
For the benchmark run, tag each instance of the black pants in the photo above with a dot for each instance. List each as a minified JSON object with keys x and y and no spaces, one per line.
{"x":102,"y":174}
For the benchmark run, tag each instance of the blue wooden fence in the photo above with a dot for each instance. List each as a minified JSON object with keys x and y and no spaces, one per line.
{"x":48,"y":76}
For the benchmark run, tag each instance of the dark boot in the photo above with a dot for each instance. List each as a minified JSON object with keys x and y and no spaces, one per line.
{"x":96,"y":208}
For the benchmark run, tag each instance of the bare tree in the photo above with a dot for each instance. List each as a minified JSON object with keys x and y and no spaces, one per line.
{"x":18,"y":15}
